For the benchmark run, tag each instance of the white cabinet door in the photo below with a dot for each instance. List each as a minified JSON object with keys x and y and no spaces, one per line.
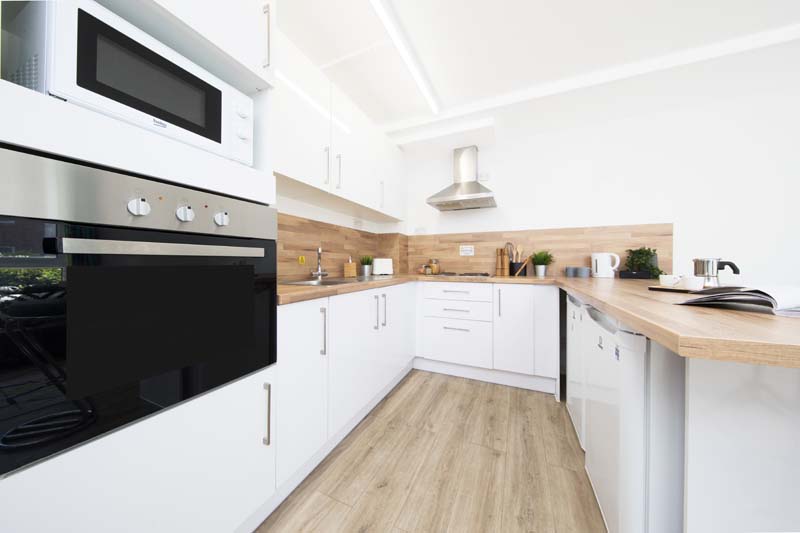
{"x":243,"y":29}
{"x":302,"y":395}
{"x":355,"y":320}
{"x":396,"y":334}
{"x":299,"y":138}
{"x":514,"y":328}
{"x":391,"y":178}
{"x":202,"y":466}
{"x":299,"y":130}
{"x":463,"y":342}
{"x":546,"y":332}
{"x":354,"y":159}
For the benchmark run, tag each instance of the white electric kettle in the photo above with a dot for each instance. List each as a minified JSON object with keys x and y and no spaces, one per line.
{"x":603,"y":266}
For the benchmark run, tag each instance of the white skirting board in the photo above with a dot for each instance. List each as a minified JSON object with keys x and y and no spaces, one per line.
{"x":286,"y":489}
{"x":521,"y":381}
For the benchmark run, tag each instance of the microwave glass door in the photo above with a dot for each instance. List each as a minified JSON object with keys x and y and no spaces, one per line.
{"x":113,"y":65}
{"x":95,"y":335}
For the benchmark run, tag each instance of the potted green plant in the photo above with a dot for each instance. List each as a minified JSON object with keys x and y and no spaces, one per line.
{"x":366,"y":265}
{"x":540,"y":261}
{"x":642,"y":263}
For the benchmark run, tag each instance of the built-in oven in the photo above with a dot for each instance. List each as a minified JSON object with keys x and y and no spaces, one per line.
{"x":121,"y":297}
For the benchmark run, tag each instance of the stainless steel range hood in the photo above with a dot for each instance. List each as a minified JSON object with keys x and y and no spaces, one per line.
{"x":465,"y":192}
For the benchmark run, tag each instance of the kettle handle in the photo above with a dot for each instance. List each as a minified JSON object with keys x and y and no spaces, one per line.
{"x":615,"y":266}
{"x":723,"y":264}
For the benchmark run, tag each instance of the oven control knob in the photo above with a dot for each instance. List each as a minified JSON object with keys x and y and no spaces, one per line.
{"x":185,"y":213}
{"x":242,"y":112}
{"x":139,"y":207}
{"x":222,"y":218}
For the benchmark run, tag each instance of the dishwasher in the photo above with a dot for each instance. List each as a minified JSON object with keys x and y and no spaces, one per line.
{"x":633,"y":432}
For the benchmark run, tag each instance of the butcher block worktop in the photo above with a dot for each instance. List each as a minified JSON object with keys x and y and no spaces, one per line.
{"x":746,"y":337}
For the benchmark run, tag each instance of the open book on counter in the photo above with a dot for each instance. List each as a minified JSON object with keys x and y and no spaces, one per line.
{"x":781,"y":300}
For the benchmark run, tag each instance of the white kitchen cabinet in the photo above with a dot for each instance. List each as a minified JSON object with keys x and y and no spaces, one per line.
{"x":546,"y":327}
{"x":300,"y":119}
{"x":321,"y":138}
{"x":391,"y":179}
{"x":243,"y":29}
{"x":235,"y":41}
{"x":575,"y":368}
{"x":302,"y":420}
{"x":201,"y":466}
{"x":396,"y":336}
{"x":463,"y":342}
{"x":514,"y":328}
{"x":354,"y":373}
{"x":354,"y":159}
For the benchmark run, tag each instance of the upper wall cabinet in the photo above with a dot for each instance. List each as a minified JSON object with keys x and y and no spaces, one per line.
{"x":319,"y":137}
{"x":232,"y":40}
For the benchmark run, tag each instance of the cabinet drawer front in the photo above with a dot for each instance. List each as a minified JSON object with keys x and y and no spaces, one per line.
{"x":474,"y":292}
{"x":457,"y":341}
{"x":464,"y":310}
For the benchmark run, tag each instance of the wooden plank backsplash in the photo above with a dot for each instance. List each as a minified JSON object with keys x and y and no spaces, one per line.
{"x":571,"y":246}
{"x":300,"y":236}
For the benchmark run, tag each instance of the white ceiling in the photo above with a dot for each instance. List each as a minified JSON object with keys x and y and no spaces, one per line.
{"x":475,"y":50}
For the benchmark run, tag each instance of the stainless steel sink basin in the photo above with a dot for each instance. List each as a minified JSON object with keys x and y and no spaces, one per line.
{"x":321,"y":282}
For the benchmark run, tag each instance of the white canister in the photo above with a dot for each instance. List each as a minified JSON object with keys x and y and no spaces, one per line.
{"x":604,"y":264}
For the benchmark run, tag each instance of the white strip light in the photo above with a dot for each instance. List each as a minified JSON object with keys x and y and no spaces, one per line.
{"x":392,"y":25}
{"x":322,"y":110}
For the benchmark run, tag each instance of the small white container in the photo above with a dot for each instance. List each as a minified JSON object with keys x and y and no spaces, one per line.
{"x":692,"y":283}
{"x":541,"y":270}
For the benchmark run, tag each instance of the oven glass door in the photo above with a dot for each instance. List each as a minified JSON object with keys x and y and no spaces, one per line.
{"x":113,"y":65}
{"x":100,"y":327}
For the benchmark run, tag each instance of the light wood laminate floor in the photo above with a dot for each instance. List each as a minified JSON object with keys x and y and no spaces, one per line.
{"x":442,"y":453}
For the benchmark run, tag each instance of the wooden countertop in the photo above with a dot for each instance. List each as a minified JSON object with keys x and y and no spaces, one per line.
{"x":746,"y":337}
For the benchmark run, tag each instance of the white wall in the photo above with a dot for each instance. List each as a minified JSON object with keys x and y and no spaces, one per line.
{"x":712,"y":147}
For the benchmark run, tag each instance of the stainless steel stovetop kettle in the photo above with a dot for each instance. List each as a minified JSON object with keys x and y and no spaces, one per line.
{"x":709,"y":269}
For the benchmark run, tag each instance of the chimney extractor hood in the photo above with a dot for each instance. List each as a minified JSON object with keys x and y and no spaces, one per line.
{"x":465,"y":192}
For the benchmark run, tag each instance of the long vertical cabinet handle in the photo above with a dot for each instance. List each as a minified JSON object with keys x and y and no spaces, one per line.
{"x":268,"y":55}
{"x":384,"y":311}
{"x":377,"y":312}
{"x":339,"y":160}
{"x":500,"y":302}
{"x":324,"y":350}
{"x":268,"y":439}
{"x":327,"y":165}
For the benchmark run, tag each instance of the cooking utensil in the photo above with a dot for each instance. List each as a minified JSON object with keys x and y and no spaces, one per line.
{"x":520,"y":269}
{"x":709,"y":268}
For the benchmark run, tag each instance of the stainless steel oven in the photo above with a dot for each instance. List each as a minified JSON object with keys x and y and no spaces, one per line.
{"x":120,"y":297}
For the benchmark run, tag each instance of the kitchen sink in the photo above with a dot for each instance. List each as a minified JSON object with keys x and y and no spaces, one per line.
{"x":322,"y":282}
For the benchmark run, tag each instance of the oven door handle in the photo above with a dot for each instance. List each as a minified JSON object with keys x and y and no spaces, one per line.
{"x":70,"y":245}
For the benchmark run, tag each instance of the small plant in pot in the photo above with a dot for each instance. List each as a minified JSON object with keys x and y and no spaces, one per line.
{"x":642,"y":263}
{"x":540,"y":261}
{"x":366,"y":265}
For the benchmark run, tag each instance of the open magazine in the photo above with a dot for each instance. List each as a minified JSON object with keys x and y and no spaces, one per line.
{"x":782,"y":300}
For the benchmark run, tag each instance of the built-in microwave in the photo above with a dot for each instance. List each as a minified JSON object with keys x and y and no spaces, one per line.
{"x":83,"y":53}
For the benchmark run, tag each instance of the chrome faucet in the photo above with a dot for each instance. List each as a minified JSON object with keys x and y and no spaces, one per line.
{"x":319,"y":273}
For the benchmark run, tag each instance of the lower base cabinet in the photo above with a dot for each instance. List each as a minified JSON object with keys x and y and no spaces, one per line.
{"x":202,"y":466}
{"x":370,"y":343}
{"x":302,"y":420}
